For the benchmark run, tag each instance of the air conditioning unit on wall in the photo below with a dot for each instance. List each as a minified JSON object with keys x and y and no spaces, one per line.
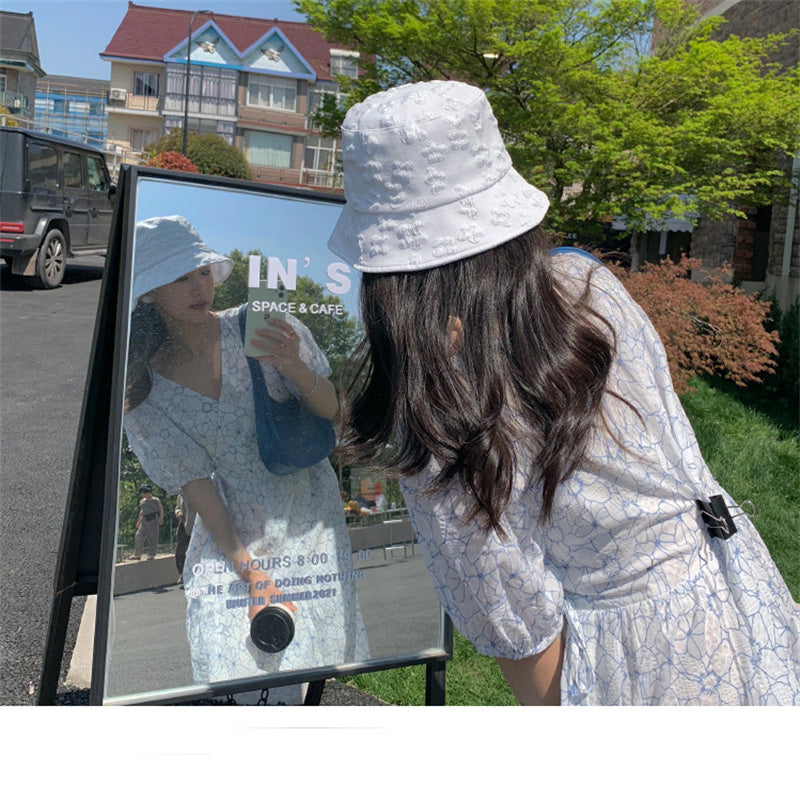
{"x":117,"y":94}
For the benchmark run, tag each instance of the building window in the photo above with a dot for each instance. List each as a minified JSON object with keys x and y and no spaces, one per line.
{"x":656,"y":245}
{"x":267,"y":92}
{"x":221,"y":128}
{"x":212,"y":91}
{"x":344,"y":62}
{"x":318,"y":94}
{"x":320,"y":154}
{"x":142,"y":140}
{"x":2,"y":81}
{"x":145,"y":84}
{"x":269,"y":149}
{"x":763,"y":220}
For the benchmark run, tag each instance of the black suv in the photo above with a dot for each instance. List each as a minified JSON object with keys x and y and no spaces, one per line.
{"x":56,"y":200}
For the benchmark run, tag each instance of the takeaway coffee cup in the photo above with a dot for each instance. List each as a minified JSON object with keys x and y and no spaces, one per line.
{"x":272,"y":629}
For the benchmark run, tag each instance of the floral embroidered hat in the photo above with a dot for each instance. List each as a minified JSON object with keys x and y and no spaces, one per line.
{"x":428,"y":180}
{"x":167,"y":248}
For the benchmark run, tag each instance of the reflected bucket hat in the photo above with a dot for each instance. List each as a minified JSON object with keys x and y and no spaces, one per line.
{"x":166,"y":248}
{"x":428,"y":180}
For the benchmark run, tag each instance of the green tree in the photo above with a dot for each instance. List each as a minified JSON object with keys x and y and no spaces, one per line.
{"x":336,"y":334}
{"x":131,"y":477}
{"x":210,"y":153}
{"x":607,"y":118}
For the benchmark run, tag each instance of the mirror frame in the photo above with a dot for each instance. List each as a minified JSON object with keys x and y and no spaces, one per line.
{"x":119,"y":262}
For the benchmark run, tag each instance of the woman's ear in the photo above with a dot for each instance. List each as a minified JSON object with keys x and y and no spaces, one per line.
{"x":148,"y":298}
{"x":456,"y":331}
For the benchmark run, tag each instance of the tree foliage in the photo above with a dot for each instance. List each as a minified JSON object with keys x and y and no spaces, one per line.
{"x":7,"y":118}
{"x":210,"y":153}
{"x":604,"y":123}
{"x":709,"y":327}
{"x":132,"y":476}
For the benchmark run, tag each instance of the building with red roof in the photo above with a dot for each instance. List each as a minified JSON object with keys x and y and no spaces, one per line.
{"x":254,"y":82}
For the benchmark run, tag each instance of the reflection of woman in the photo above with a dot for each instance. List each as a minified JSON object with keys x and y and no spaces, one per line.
{"x":547,"y":464}
{"x":190,"y":419}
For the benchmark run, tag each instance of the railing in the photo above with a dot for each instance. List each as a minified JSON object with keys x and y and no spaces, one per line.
{"x":366,"y":519}
{"x":320,"y":178}
{"x":116,"y":156}
{"x":137,"y":102}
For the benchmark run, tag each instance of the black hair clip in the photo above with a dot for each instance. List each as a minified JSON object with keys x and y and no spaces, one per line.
{"x":717,"y":518}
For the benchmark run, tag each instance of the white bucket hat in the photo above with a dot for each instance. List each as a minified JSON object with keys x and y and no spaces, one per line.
{"x":428,"y":180}
{"x":166,"y":248}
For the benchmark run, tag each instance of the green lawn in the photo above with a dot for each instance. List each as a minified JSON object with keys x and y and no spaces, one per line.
{"x":753,"y":450}
{"x":750,"y":441}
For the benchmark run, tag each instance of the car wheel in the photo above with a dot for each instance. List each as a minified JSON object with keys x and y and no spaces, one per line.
{"x":51,"y":260}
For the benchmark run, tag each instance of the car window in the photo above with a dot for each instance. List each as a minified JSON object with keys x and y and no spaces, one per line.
{"x":73,"y":177}
{"x":42,"y":166}
{"x":96,"y":174}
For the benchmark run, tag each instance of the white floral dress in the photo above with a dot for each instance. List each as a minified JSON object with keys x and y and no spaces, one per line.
{"x":292,"y":524}
{"x":653,"y":610}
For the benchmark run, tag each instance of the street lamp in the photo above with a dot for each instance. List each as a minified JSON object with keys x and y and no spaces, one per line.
{"x":186,"y":88}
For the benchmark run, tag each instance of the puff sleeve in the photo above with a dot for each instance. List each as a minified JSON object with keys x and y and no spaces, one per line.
{"x":169,"y":456}
{"x":500,"y":594}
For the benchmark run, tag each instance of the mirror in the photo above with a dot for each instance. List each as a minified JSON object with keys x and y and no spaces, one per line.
{"x":231,"y":573}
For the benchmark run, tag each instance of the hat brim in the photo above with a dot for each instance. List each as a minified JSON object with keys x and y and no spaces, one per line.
{"x":407,"y":241}
{"x":180,"y":264}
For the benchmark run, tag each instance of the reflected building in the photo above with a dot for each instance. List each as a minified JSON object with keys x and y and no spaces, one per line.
{"x":254,"y":82}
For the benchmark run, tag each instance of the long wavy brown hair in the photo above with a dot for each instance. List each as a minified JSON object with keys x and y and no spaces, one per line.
{"x":147,"y":333}
{"x":531,"y":370}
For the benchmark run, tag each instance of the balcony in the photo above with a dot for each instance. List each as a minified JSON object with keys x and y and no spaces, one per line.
{"x":15,"y":102}
{"x":138,"y":102}
{"x":121,"y":100}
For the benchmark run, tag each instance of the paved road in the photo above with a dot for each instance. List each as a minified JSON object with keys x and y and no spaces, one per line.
{"x":45,"y":338}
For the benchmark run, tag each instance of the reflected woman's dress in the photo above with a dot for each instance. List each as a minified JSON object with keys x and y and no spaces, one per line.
{"x":293,"y":524}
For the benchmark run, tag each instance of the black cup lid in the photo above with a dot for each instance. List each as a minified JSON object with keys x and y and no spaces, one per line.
{"x":272,"y":629}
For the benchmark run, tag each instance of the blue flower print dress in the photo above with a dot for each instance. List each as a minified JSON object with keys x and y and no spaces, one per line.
{"x":652,"y":609}
{"x":293,"y":524}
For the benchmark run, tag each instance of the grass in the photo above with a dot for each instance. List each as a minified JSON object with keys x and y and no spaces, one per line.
{"x":754,"y":452}
{"x":751,"y":442}
{"x":471,"y":680}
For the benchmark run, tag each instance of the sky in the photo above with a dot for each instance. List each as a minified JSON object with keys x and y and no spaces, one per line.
{"x":72,"y":33}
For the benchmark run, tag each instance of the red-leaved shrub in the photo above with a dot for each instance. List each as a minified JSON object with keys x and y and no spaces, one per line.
{"x":169,"y":159}
{"x":709,"y":327}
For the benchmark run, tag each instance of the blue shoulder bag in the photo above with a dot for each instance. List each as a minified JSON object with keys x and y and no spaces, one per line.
{"x":290,"y":437}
